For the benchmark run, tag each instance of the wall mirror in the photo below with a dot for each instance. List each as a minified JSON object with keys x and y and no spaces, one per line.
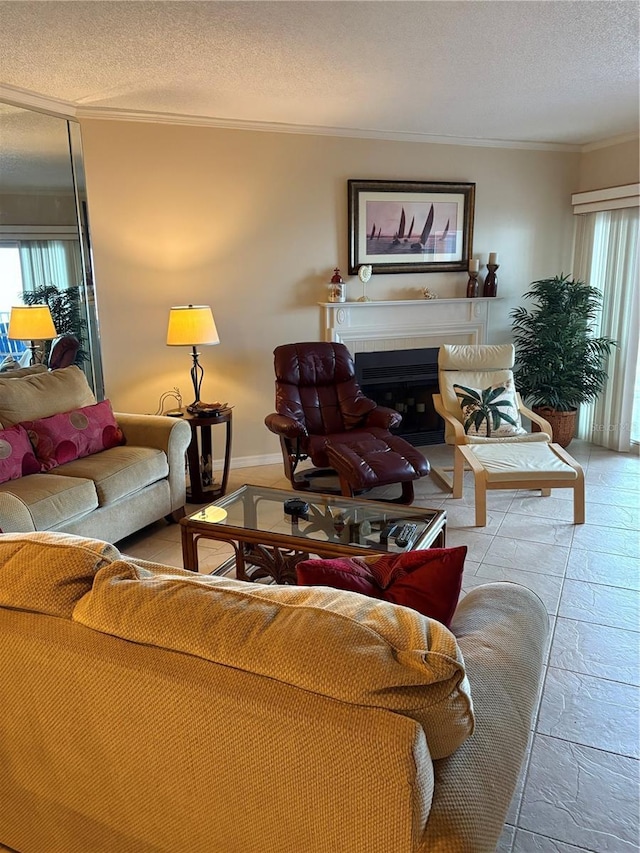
{"x":45,"y":247}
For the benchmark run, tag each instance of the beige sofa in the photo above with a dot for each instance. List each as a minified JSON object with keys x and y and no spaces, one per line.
{"x":149,"y":709}
{"x":109,"y":494}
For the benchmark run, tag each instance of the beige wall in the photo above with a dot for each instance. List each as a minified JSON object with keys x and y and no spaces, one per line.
{"x":253,"y":223}
{"x":610,"y":166}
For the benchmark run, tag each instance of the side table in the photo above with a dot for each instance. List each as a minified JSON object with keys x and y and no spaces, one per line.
{"x":200,"y":456}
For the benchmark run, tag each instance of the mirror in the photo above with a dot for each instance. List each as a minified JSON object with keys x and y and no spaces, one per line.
{"x":45,"y":248}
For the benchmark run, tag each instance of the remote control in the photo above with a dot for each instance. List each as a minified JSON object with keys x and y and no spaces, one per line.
{"x":388,"y":530}
{"x":404,"y":535}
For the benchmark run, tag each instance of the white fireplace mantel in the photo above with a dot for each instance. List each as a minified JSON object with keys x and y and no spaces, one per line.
{"x":406,"y":323}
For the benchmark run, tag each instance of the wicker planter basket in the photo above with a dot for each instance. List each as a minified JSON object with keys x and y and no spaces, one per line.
{"x":563,"y":424}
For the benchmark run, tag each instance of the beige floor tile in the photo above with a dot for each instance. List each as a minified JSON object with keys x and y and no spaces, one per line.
{"x":547,"y":587}
{"x":477,"y":543}
{"x":529,"y":842}
{"x":603,"y":605}
{"x":591,"y":711}
{"x":581,"y":796}
{"x":527,"y":556}
{"x":601,"y":568}
{"x":505,"y":842}
{"x":533,"y":529}
{"x":596,"y":650}
{"x":629,"y":481}
{"x":463,"y":517}
{"x":608,"y":540}
{"x":532,"y":503}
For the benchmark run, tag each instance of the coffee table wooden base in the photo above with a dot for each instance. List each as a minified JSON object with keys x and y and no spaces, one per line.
{"x":260,"y":552}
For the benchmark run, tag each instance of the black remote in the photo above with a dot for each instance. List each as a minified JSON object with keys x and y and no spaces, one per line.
{"x":388,"y":530}
{"x":404,"y":535}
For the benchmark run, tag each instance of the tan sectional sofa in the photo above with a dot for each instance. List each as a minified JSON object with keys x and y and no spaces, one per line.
{"x":109,"y":494}
{"x":149,"y":709}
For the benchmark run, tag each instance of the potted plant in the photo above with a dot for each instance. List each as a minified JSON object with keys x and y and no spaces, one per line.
{"x":559,"y":361}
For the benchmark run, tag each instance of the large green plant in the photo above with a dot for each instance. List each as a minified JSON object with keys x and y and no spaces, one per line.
{"x":66,"y":311}
{"x":559,"y":361}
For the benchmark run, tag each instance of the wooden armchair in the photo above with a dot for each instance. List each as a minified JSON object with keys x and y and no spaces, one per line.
{"x":478,"y":401}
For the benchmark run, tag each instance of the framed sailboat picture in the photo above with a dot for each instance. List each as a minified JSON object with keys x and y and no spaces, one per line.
{"x":410,"y":226}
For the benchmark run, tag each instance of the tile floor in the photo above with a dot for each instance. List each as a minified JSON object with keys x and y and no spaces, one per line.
{"x":579,"y":787}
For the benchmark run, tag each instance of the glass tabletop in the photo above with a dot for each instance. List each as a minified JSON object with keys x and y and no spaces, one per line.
{"x":324,"y":518}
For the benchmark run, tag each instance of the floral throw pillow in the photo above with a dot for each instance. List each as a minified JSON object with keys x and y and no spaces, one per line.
{"x":17,"y":458}
{"x":490,"y":412}
{"x":73,"y":435}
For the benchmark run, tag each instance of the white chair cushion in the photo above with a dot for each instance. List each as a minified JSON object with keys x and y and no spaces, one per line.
{"x":472,"y":357}
{"x":517,"y":461}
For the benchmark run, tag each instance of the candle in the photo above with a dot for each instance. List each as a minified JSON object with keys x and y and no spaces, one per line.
{"x":493,"y":258}
{"x":474,"y":265}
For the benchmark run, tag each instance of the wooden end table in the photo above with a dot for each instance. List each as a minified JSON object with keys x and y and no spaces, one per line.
{"x":200,"y":456}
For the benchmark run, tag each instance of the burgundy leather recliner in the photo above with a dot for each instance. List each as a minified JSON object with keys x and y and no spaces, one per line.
{"x":321,"y":414}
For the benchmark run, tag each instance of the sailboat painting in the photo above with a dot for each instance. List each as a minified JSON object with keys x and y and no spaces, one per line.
{"x":429,"y":233}
{"x":410,"y":226}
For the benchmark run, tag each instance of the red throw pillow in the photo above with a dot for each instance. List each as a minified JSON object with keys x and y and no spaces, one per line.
{"x":17,"y":458}
{"x":427,"y":581}
{"x":72,"y":435}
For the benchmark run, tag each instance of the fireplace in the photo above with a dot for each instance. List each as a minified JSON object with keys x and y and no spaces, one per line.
{"x":405,"y":380}
{"x":395,"y":347}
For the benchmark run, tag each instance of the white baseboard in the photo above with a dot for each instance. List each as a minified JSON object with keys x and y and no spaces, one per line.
{"x":250,"y":461}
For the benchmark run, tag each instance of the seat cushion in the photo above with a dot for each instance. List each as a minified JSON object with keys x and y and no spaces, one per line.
{"x":49,"y":572}
{"x":341,"y":645}
{"x":520,"y":461}
{"x":119,"y":471}
{"x":53,"y":501}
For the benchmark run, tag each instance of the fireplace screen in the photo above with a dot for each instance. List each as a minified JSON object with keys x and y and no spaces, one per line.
{"x":405,"y":380}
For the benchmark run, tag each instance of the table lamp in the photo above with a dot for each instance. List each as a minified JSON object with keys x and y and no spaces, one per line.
{"x":191,"y":326}
{"x":31,"y":323}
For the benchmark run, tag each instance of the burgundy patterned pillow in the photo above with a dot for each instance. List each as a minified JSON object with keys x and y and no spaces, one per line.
{"x":72,"y":435}
{"x":16,"y":454}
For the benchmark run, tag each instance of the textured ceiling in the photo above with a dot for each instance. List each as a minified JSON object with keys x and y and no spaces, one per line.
{"x":537,"y":71}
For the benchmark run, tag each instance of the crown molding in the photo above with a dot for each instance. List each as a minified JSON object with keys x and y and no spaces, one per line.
{"x":607,"y":143}
{"x":109,"y":114}
{"x":32,"y":100}
{"x":66,"y":109}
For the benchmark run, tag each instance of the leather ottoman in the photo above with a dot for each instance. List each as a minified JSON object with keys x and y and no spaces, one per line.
{"x":364,"y":463}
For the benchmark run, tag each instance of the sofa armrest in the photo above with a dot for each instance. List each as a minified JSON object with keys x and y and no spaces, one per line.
{"x":501,"y":629}
{"x":168,"y":434}
{"x":15,"y":516}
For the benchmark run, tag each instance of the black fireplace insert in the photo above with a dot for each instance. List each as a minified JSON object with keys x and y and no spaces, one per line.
{"x":405,"y":380}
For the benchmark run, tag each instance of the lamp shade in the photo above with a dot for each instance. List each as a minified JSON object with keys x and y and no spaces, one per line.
{"x":191,"y":325}
{"x":31,"y":323}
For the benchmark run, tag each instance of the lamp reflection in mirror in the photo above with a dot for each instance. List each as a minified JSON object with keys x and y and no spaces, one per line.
{"x":192,"y":326}
{"x":31,"y":323}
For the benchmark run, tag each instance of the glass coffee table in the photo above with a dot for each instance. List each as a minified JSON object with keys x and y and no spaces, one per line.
{"x":271,"y":530}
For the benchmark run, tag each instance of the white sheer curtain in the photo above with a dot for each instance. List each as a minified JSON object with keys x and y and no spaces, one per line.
{"x":606,"y":257}
{"x":47,"y":262}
